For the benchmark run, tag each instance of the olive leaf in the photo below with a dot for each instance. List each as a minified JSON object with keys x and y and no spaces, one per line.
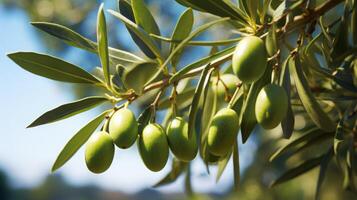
{"x":247,"y":118}
{"x":213,"y":59}
{"x":144,"y":118}
{"x":222,"y":164}
{"x":271,"y":41}
{"x":52,"y":68}
{"x":310,"y":134}
{"x":77,"y":141}
{"x":202,"y":86}
{"x":177,"y":168}
{"x":323,"y":168}
{"x":140,"y":37}
{"x":183,"y":99}
{"x":144,"y":18}
{"x":73,"y":38}
{"x":287,"y":124}
{"x":103,"y":44}
{"x":318,"y":116}
{"x":236,"y":167}
{"x":298,"y":170}
{"x":182,"y":30}
{"x":136,"y":77}
{"x":222,"y":8}
{"x":68,"y":110}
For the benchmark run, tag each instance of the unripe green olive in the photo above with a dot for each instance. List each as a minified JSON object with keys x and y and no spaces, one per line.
{"x":153,"y":147}
{"x":99,"y":152}
{"x":271,"y":106}
{"x":123,"y":128}
{"x":222,"y":132}
{"x":183,"y":147}
{"x":230,"y":82}
{"x":249,"y":59}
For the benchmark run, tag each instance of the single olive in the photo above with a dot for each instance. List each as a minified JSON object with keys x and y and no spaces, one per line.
{"x":183,"y":147}
{"x":271,"y":106}
{"x":153,"y":147}
{"x":230,"y":81}
{"x":99,"y":152}
{"x":123,"y":128}
{"x":222,"y":132}
{"x":249,"y":59}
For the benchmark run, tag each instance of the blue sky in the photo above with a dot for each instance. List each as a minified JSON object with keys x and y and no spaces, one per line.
{"x":27,"y":154}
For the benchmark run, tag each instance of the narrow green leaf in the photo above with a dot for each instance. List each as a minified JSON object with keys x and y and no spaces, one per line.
{"x":52,"y":68}
{"x":136,"y":77}
{"x":68,"y":110}
{"x":140,"y":33}
{"x":197,"y":42}
{"x":77,"y":141}
{"x":311,"y":134}
{"x":183,"y":99}
{"x":75,"y":39}
{"x":204,"y":81}
{"x":178,"y":167}
{"x":144,"y":18}
{"x":299,"y":170}
{"x":144,"y":119}
{"x":188,"y":184}
{"x":222,"y":8}
{"x":287,"y":124}
{"x":339,"y":137}
{"x":248,"y":119}
{"x":196,"y":32}
{"x":354,"y":23}
{"x":222,"y":164}
{"x":236,"y":166}
{"x":67,"y":35}
{"x":323,"y":168}
{"x":214,"y":59}
{"x":271,"y":41}
{"x":182,"y":30}
{"x":103,"y":44}
{"x":318,"y":116}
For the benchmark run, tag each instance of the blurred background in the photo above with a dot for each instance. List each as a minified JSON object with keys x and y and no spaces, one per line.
{"x":26,"y":155}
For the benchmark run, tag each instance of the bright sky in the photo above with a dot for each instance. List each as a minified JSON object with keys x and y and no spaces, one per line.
{"x":27,"y":154}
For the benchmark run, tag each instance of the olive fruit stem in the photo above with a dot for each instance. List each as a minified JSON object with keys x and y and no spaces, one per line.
{"x":236,"y":92}
{"x":155,"y":103}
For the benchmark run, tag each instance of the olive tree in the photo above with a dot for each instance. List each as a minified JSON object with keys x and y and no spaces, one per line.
{"x":285,"y":59}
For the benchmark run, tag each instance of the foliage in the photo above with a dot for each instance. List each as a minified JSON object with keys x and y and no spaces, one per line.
{"x":312,"y":56}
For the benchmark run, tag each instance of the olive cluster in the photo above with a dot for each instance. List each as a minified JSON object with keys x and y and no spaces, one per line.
{"x":249,"y":64}
{"x":153,"y":143}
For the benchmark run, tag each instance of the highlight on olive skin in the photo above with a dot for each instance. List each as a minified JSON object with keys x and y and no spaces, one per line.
{"x":153,"y":147}
{"x":222,"y":132}
{"x":250,"y":59}
{"x":271,"y":106}
{"x":123,"y":128}
{"x":183,"y":147}
{"x":99,"y":152}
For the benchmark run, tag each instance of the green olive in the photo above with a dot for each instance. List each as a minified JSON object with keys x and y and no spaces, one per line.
{"x":249,"y":59}
{"x":183,"y":147}
{"x":153,"y":147}
{"x":271,"y":106}
{"x":123,"y":128}
{"x":99,"y":152}
{"x":222,"y":132}
{"x":230,"y":81}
